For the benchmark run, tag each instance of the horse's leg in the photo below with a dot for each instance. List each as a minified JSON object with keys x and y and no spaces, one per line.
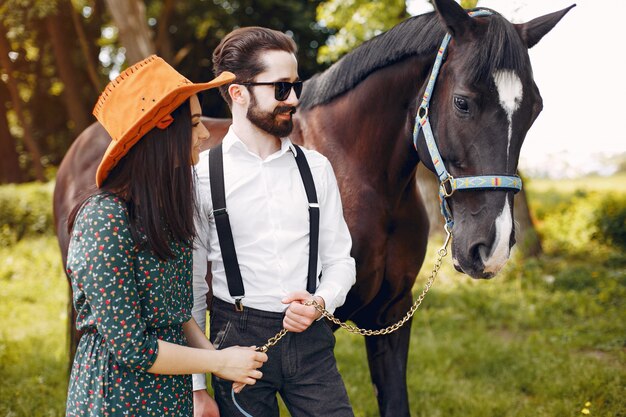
{"x":387,"y":357}
{"x":388,"y":354}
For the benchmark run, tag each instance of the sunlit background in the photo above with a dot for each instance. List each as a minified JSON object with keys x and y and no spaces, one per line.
{"x":545,"y":338}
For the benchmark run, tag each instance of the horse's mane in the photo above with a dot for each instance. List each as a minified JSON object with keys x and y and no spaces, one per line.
{"x":414,"y":36}
{"x":501,"y":48}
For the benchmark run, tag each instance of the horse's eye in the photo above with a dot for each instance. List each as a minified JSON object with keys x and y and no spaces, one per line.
{"x":461,"y":104}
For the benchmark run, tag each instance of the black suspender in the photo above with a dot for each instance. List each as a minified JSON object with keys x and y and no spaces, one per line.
{"x":222,"y":223}
{"x":314,"y":217}
{"x":225,"y":235}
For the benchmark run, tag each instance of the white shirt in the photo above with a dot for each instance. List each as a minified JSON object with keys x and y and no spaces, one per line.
{"x":269,"y":217}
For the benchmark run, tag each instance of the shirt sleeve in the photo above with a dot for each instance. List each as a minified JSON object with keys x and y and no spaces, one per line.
{"x":335,"y":243}
{"x":200,"y":286}
{"x":106,"y":276}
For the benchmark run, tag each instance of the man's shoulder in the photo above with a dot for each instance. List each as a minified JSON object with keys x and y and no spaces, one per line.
{"x":315,"y":159}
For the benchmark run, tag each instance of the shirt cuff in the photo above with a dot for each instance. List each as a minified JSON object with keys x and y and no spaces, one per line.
{"x":329,"y":295}
{"x":199,"y":382}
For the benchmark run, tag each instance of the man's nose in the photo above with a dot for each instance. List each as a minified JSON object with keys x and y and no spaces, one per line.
{"x":292,"y":99}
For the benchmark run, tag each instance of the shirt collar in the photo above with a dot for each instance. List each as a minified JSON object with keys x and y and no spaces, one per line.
{"x":232,"y":140}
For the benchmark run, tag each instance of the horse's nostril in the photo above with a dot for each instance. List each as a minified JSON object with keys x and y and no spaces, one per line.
{"x":478,"y":253}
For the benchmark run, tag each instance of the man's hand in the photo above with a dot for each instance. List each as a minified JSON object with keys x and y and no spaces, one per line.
{"x":298,"y":316}
{"x":204,"y":405}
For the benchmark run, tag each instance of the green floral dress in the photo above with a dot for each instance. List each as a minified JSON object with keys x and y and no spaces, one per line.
{"x":126,"y":299}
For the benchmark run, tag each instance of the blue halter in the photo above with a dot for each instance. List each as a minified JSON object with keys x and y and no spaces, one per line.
{"x":447,"y":183}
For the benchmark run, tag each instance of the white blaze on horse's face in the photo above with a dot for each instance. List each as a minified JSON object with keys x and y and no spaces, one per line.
{"x":510,"y":92}
{"x":500,"y":250}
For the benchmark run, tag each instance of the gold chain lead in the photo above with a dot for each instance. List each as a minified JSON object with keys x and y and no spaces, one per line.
{"x":441,"y":253}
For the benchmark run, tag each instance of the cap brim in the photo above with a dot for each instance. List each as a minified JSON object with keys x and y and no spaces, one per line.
{"x":223,"y":78}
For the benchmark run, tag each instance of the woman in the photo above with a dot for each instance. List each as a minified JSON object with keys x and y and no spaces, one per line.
{"x":130,"y":256}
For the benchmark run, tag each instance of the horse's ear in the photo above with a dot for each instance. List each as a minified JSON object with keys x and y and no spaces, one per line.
{"x":454,"y":17}
{"x":532,"y":32}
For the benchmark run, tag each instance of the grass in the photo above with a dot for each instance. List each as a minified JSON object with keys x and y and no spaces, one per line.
{"x":523,"y":344}
{"x":33,"y":342}
{"x":545,"y":338}
{"x":613,"y":184}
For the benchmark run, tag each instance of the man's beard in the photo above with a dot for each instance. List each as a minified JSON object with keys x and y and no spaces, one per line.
{"x":267,"y":121}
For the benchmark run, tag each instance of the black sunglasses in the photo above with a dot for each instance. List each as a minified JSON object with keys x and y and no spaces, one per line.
{"x":281,"y":88}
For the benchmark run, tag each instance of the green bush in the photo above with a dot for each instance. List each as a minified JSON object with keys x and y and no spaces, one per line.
{"x":25,"y":210}
{"x":569,"y":227}
{"x":611,"y":221}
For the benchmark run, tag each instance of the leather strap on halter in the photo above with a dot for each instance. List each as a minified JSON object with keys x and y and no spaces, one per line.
{"x":224,"y":230}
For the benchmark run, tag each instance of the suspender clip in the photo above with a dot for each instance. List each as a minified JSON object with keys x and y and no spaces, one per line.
{"x":238,"y":304}
{"x":219,"y":212}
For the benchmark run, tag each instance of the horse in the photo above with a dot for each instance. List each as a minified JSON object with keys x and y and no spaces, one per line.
{"x":361,"y":114}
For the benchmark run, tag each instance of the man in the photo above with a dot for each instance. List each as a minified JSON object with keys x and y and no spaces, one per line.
{"x":268,"y":211}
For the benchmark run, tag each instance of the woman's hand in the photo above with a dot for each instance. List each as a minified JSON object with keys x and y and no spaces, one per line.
{"x":240,"y":364}
{"x":204,"y":405}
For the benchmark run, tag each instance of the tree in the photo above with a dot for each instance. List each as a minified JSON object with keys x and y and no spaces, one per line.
{"x":79,"y":114}
{"x":354,"y":22}
{"x":130,"y":18}
{"x":10,"y":170}
{"x":62,"y":53}
{"x":48,"y":81}
{"x":18,"y":105}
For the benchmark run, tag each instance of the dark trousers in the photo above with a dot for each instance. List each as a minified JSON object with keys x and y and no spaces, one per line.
{"x":301,"y":367}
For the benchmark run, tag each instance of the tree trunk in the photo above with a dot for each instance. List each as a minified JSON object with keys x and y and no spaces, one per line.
{"x":163,"y":42}
{"x":72,"y":96}
{"x":10,"y":170}
{"x":527,"y":238}
{"x":87,"y":50}
{"x":11,"y":82}
{"x":135,"y":35}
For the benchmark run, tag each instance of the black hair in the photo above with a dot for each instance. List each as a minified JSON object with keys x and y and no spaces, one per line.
{"x":156,"y":180}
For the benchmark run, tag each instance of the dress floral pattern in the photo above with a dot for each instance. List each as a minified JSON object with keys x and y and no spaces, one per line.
{"x":126,"y":299}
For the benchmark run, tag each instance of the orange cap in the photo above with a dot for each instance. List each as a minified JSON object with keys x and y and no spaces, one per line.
{"x":140,"y":99}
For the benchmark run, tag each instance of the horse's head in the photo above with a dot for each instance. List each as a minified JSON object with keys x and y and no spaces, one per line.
{"x":484,"y":102}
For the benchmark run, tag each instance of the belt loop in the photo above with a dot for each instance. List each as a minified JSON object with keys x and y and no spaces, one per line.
{"x":243,"y":320}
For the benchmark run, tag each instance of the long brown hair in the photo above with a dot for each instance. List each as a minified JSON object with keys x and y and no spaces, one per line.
{"x":156,"y":180}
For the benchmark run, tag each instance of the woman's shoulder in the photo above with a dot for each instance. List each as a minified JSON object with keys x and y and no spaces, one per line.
{"x":101,"y":207}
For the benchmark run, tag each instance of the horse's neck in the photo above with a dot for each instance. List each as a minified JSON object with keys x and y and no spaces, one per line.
{"x":373,"y":122}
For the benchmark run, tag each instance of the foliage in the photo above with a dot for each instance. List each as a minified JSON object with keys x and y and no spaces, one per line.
{"x":574,"y":216}
{"x":193,"y":29}
{"x":468,"y":4}
{"x":36,"y":73}
{"x":610,"y":221}
{"x":33,"y":341}
{"x":354,"y":22}
{"x":197,"y":27}
{"x":25,"y":210}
